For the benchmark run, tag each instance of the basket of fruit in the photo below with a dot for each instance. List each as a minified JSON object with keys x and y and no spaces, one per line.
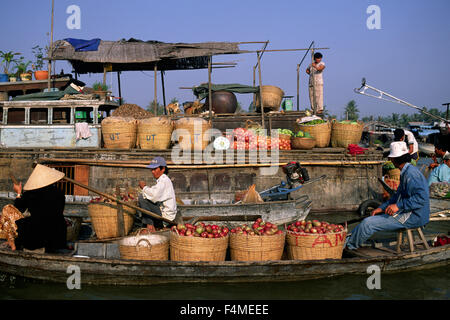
{"x":144,"y":247}
{"x":315,"y":240}
{"x":198,"y":242}
{"x":103,"y":213}
{"x":303,"y":140}
{"x":346,"y":132}
{"x":261,"y":242}
{"x":319,"y":129}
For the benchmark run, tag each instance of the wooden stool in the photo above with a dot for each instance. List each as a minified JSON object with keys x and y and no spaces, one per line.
{"x":411,"y":239}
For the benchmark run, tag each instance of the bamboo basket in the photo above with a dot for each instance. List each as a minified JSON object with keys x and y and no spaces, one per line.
{"x":256,"y":248}
{"x":303,"y":143}
{"x":271,"y":97}
{"x":343,"y":134}
{"x":119,"y":133}
{"x":305,"y":246}
{"x":144,"y":247}
{"x":193,"y":133}
{"x":104,"y":219}
{"x":184,"y":248}
{"x":284,"y":136}
{"x":154,"y":133}
{"x":321,"y":132}
{"x":394,"y":174}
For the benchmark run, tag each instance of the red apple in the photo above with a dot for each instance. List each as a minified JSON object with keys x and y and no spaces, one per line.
{"x":204,"y":234}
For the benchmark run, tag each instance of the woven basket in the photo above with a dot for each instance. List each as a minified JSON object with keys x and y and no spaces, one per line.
{"x":343,"y":134}
{"x":284,"y":136}
{"x":303,"y":143}
{"x":271,"y":97}
{"x":104,"y":219}
{"x":256,"y":248}
{"x":119,"y":133}
{"x":184,"y":248}
{"x":394,"y":174}
{"x":321,"y":132}
{"x":193,"y":133}
{"x":305,"y":246}
{"x":74,"y":230}
{"x":154,"y":133}
{"x":144,"y":247}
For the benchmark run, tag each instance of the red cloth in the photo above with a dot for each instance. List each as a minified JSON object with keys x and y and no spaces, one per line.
{"x":441,"y":241}
{"x":354,"y":149}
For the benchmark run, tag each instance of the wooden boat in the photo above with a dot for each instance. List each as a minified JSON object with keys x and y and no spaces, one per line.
{"x":426,"y":148}
{"x":100,"y":271}
{"x":439,"y":204}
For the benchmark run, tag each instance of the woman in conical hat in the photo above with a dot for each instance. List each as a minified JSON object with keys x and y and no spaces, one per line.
{"x":46,"y":226}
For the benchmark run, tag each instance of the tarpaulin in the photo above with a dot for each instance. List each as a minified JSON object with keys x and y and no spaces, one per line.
{"x":52,"y":95}
{"x":84,"y":45}
{"x":201,"y":91}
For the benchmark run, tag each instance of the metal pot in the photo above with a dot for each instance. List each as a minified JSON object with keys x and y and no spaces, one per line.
{"x":222,"y":102}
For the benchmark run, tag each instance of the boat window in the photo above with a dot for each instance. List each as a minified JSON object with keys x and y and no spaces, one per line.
{"x":84,"y":114}
{"x":105,"y":111}
{"x":61,"y":115}
{"x":38,"y":116}
{"x":16,"y":116}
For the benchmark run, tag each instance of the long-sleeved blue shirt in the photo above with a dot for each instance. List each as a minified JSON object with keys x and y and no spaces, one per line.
{"x":439,"y":174}
{"x":412,"y":198}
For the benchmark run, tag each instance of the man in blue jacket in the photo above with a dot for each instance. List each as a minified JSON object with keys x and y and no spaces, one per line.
{"x":408,"y":208}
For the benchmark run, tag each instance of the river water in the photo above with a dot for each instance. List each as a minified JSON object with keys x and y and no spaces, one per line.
{"x":424,"y":284}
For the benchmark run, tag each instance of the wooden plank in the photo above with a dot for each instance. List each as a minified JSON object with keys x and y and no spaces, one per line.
{"x":81,"y":174}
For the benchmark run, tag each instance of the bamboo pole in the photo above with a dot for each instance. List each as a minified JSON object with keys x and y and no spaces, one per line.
{"x":155,"y":101}
{"x":51,"y":48}
{"x":209,"y":89}
{"x":260,"y":91}
{"x":120,"y":91}
{"x":298,"y":87}
{"x":163,"y":91}
{"x":149,"y":213}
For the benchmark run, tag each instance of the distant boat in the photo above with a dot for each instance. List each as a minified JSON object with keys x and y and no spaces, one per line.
{"x":426,"y":148}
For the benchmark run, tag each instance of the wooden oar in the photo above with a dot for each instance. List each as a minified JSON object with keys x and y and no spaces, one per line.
{"x":149,"y":213}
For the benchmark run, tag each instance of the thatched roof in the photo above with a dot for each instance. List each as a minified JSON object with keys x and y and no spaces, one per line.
{"x":138,"y":55}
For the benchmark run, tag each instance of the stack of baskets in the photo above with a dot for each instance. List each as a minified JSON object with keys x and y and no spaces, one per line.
{"x":104,"y":219}
{"x":154,"y":133}
{"x":145,"y":247}
{"x":306,"y":246}
{"x":320,"y":132}
{"x":184,"y":248}
{"x":271,"y":98}
{"x":343,"y":134}
{"x":256,"y":248}
{"x":119,"y":132}
{"x":193,"y":133}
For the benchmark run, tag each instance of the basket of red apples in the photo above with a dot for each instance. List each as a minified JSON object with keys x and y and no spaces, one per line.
{"x":259,"y":242}
{"x":200,"y":242}
{"x":315,"y":240}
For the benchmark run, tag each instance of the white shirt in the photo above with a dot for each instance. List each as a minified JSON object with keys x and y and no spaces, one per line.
{"x":163,"y":192}
{"x":411,"y":140}
{"x":318,"y":79}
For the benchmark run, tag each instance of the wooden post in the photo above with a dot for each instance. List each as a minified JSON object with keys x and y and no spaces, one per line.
{"x":260,"y":91}
{"x":155,"y":101}
{"x":254,"y":84}
{"x":163,"y":91}
{"x":50,"y":49}
{"x":120,"y":91}
{"x":298,"y":87}
{"x":313,"y":102}
{"x":209,"y":89}
{"x":104,"y":74}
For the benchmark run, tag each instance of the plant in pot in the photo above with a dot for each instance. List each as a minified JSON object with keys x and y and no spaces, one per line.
{"x":38,"y":64}
{"x":22,"y":69}
{"x":7,"y":59}
{"x":100,"y":89}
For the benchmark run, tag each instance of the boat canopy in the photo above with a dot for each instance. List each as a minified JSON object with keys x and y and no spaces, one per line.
{"x":134,"y":55}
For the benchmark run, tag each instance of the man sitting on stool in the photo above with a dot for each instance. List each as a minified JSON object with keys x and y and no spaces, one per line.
{"x":160,"y":198}
{"x":408,"y":208}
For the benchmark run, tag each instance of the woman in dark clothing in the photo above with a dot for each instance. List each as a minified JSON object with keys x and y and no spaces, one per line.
{"x":46,"y":226}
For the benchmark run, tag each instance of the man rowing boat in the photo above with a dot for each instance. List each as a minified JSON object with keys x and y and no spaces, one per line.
{"x":408,"y":208}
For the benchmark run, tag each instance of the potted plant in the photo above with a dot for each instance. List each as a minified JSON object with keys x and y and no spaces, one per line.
{"x":7,"y":59}
{"x":100,"y":89}
{"x":22,"y":69}
{"x":38,"y":64}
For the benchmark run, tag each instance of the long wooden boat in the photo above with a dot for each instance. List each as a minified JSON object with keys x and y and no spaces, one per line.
{"x":439,"y":204}
{"x":100,"y":271}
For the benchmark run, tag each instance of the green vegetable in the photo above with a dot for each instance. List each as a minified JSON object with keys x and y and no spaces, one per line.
{"x":299,"y":134}
{"x":310,"y":123}
{"x":285,"y":131}
{"x":388,"y":165}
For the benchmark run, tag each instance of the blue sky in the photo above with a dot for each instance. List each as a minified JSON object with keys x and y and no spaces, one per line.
{"x":407,"y":57}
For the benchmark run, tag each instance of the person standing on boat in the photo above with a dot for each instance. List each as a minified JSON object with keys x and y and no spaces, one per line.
{"x":45,"y":227}
{"x":410,"y":140}
{"x":315,"y":71}
{"x":160,"y":198}
{"x":408,"y":208}
{"x":442,"y":172}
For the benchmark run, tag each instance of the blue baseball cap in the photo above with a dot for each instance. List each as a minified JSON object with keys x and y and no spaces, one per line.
{"x":157,"y":162}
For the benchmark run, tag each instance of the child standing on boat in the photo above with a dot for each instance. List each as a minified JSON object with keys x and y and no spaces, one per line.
{"x":315,"y":71}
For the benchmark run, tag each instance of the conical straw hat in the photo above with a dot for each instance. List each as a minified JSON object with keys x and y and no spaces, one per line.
{"x":42,"y":176}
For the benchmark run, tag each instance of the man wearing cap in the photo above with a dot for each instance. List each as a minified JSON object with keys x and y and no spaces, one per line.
{"x":442,"y":172}
{"x":160,"y":198}
{"x":46,"y":226}
{"x":410,"y":140}
{"x":408,"y":208}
